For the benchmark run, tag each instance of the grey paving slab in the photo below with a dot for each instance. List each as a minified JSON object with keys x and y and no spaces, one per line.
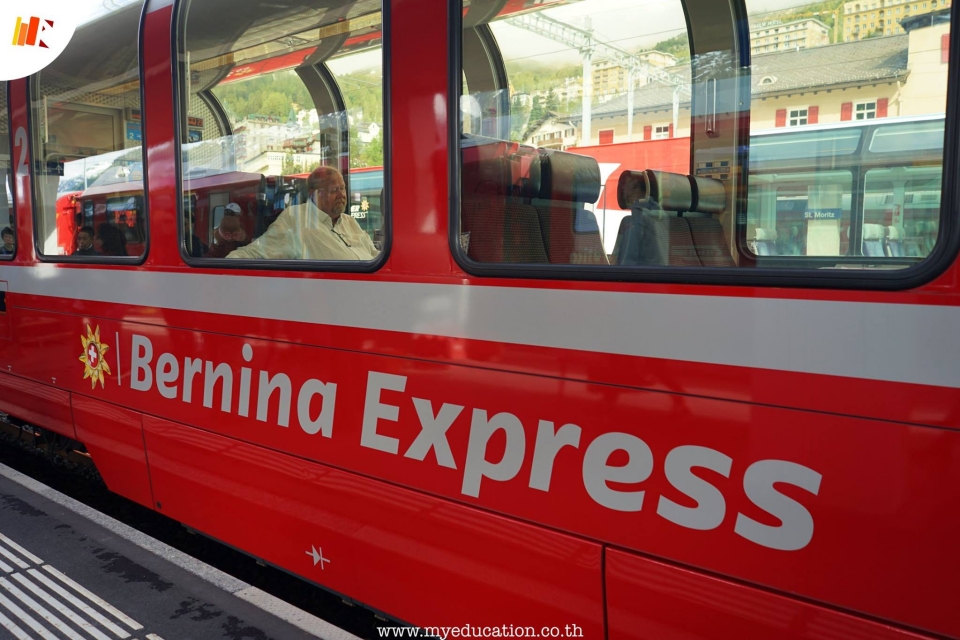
{"x":64,"y":576}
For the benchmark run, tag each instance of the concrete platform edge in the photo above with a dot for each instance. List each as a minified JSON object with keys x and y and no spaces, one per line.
{"x":256,"y":597}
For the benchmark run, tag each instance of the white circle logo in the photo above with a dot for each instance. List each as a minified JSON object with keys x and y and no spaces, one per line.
{"x":33,"y":34}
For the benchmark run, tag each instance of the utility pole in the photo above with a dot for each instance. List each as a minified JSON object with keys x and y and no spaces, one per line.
{"x":586,"y":43}
{"x":586,"y":54}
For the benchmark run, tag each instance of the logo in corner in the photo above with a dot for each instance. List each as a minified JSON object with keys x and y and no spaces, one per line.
{"x":26,"y":33}
{"x":33,"y":38}
{"x":94,"y":365}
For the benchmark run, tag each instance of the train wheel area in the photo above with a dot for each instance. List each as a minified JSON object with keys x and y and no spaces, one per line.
{"x":67,"y":571}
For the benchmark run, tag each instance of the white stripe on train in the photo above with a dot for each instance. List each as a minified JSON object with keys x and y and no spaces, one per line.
{"x":876,"y":341}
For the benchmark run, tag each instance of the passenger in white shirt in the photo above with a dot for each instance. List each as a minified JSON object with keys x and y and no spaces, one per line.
{"x":315,"y":230}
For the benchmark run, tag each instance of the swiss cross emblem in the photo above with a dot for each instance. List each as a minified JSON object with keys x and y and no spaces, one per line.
{"x":93,"y":355}
{"x":94,"y":366}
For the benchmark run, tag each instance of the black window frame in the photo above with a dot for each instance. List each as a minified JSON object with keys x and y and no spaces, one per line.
{"x":180,"y":9}
{"x":943,"y":256}
{"x":31,"y":82}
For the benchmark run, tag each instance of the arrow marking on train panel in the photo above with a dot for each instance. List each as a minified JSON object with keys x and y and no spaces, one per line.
{"x":317,"y":556}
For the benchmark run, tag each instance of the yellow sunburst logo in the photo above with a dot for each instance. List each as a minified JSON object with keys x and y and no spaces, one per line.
{"x":364,"y":205}
{"x":95,"y":366}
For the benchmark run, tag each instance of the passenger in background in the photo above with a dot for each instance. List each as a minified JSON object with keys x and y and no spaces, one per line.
{"x":229,"y":235}
{"x":196,"y":248}
{"x":316,"y":229}
{"x":9,"y":242}
{"x":85,"y":242}
{"x":111,"y":240}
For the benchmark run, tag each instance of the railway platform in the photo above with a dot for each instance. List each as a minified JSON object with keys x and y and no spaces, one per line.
{"x":70,"y":572}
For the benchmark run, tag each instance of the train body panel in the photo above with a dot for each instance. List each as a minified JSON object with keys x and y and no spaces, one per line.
{"x":339,"y":529}
{"x":650,"y":600}
{"x":114,"y":437}
{"x":532,"y":447}
{"x":670,"y":388}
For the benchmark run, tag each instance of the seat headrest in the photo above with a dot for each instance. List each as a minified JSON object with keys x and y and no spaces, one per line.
{"x":483,"y":170}
{"x":765,"y":235}
{"x":525,"y":172}
{"x":568,"y":177}
{"x":495,"y":167}
{"x":894,"y":233}
{"x":872,"y":232}
{"x":670,"y":191}
{"x":709,"y":195}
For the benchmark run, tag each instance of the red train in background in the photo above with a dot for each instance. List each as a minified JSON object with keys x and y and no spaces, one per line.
{"x":699,"y":386}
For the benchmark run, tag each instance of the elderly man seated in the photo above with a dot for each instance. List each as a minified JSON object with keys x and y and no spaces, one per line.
{"x":315,"y":230}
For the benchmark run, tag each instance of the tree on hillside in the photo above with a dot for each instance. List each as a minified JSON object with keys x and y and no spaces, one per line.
{"x":519,"y":115}
{"x":289,"y":167}
{"x":536,"y":112}
{"x":553,"y":102}
{"x":678,"y":45}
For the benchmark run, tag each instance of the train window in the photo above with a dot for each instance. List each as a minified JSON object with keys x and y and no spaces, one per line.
{"x":800,"y":214}
{"x":7,"y":218}
{"x":901,"y":211}
{"x":911,"y":137}
{"x":87,"y":132}
{"x":282,"y":131}
{"x":866,"y":167}
{"x":601,"y":136}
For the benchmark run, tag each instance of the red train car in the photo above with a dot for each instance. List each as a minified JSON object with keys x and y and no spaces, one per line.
{"x":719,"y":402}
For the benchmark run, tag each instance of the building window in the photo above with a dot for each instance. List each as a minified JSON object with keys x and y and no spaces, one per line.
{"x":661,"y":132}
{"x":865,"y":110}
{"x":606,"y":136}
{"x":797,"y":117}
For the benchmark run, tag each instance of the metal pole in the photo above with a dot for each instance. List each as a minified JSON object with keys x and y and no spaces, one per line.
{"x":587,"y":54}
{"x":676,"y":110}
{"x":587,"y":97}
{"x":630,"y":103}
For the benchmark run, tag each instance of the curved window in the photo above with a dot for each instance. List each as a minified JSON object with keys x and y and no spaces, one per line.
{"x":855,"y":184}
{"x":7,"y":217}
{"x":282,"y":132}
{"x":87,"y":132}
{"x":607,"y":136}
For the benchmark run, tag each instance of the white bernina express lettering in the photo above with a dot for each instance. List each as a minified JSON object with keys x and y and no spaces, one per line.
{"x":433,"y":432}
{"x":167,"y":376}
{"x":374,"y":411}
{"x":796,"y":529}
{"x":597,"y":473}
{"x":477,"y":466}
{"x":711,"y":507}
{"x":564,"y":445}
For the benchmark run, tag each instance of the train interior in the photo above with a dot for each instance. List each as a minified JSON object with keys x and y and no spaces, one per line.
{"x":802,"y":195}
{"x":265,"y":98}
{"x":244,"y":145}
